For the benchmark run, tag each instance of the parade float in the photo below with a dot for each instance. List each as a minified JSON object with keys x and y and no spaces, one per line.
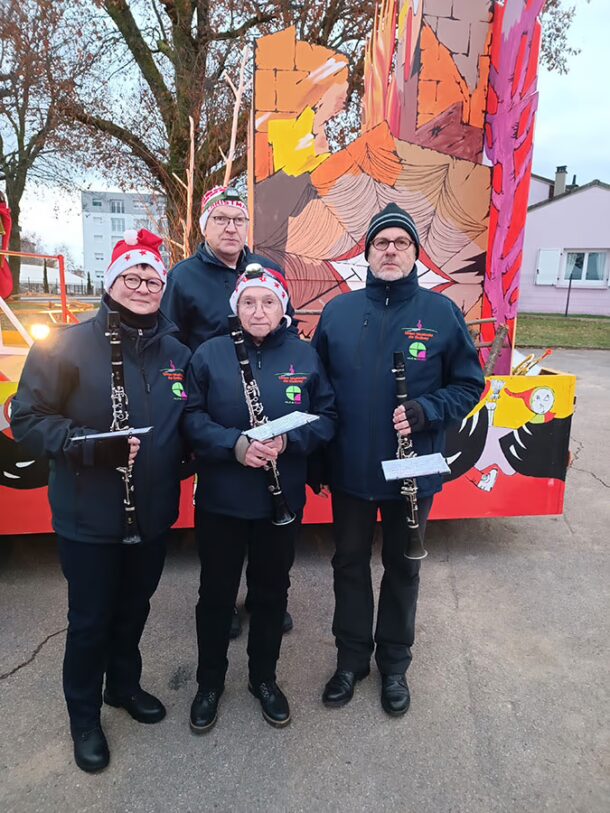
{"x":446,"y":131}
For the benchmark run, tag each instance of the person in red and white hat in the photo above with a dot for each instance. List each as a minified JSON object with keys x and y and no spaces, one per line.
{"x":64,"y":401}
{"x":234,"y":509}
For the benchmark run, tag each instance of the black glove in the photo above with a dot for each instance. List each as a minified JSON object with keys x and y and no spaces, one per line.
{"x":415,"y":415}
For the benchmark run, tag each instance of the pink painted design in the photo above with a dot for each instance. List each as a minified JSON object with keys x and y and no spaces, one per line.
{"x":511,"y":108}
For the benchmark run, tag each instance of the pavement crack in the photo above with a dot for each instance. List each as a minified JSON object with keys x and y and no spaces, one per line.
{"x":595,"y":477}
{"x":33,"y":655}
{"x":578,"y":450}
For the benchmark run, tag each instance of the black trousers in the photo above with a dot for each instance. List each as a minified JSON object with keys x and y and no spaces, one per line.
{"x":223,"y":542}
{"x":354,"y":526}
{"x":109,"y":591}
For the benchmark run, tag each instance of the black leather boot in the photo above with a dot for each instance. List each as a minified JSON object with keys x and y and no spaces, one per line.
{"x":91,"y":752}
{"x":204,"y":710}
{"x":142,"y":706}
{"x":274,"y":703}
{"x":395,"y":696}
{"x":340,"y":688}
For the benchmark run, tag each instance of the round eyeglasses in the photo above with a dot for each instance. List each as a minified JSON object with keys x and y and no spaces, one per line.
{"x":400,"y":244}
{"x":133,"y":282}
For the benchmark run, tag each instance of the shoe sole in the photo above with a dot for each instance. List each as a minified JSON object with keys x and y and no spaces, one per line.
{"x":203,"y":729}
{"x":91,"y":770}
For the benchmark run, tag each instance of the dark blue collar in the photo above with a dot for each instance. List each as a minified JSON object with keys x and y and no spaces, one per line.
{"x":390,"y":293}
{"x":272,"y":340}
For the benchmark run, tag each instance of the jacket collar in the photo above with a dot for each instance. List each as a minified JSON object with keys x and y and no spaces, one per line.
{"x":391,"y":292}
{"x":164,"y":326}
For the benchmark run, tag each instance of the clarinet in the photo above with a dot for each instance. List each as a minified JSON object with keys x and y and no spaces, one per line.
{"x":282,"y":515}
{"x":414,"y":548}
{"x":120,"y":421}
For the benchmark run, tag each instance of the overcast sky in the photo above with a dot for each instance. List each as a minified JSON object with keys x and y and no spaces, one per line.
{"x":572,"y":128}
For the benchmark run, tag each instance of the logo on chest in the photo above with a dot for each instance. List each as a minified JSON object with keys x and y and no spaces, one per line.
{"x":419,"y":337}
{"x":175,"y":376}
{"x":294,"y":382}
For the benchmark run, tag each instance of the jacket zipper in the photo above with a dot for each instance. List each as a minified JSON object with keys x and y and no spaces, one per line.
{"x":259,"y":360}
{"x":147,"y":390}
{"x":371,"y":467}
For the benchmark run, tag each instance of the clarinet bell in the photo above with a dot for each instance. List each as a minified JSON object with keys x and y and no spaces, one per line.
{"x":415,"y":548}
{"x":282,"y":515}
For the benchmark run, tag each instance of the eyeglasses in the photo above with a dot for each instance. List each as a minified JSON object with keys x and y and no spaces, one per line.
{"x":267,"y":304}
{"x":223,"y":221}
{"x":400,"y":244}
{"x":133,"y":282}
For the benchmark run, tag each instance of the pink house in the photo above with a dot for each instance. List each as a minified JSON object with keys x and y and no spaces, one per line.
{"x":566,"y":251}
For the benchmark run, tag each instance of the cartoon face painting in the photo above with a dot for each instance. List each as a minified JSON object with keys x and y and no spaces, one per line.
{"x":542,"y":400}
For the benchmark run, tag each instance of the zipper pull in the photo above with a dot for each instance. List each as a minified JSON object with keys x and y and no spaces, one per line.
{"x":387,"y":295}
{"x":259,"y":360}
{"x":366,"y":322}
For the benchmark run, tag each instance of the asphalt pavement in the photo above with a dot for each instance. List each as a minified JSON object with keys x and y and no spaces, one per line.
{"x":510,"y":677}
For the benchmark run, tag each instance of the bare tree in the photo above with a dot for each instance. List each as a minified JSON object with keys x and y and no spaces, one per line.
{"x":165,"y":65}
{"x":556,"y":18}
{"x":41,"y":62}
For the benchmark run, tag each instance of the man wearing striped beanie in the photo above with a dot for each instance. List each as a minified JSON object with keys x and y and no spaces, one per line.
{"x":198,"y":288}
{"x":357,"y":337}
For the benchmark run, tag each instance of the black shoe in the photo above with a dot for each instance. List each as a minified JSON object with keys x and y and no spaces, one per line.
{"x":235,"y":625}
{"x":141,"y":705}
{"x":91,"y":752}
{"x":340,"y":688}
{"x":204,"y":710}
{"x":276,"y":710}
{"x":395,"y":697}
{"x":287,"y":624}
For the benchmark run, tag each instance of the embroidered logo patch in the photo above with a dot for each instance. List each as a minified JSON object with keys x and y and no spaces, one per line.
{"x":419,"y":336}
{"x":294,"y":382}
{"x":175,"y":376}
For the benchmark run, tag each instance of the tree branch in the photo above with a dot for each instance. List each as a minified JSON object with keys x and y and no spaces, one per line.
{"x":120,"y":13}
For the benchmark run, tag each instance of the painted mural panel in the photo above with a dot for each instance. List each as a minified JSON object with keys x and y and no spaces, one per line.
{"x":446,"y":132}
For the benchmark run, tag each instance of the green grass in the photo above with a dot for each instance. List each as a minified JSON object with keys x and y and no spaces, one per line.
{"x":554,"y":330}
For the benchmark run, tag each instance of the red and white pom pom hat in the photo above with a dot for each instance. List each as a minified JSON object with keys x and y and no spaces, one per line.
{"x":267,"y":278}
{"x":136,"y":247}
{"x":220,"y":196}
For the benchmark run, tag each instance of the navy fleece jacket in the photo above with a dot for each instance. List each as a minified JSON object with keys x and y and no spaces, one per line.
{"x":290,"y":377}
{"x":356,"y":337}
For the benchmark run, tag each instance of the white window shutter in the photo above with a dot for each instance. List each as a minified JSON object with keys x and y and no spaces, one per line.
{"x":547,"y":269}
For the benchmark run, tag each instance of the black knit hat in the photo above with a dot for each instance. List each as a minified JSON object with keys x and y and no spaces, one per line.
{"x":391,"y":217}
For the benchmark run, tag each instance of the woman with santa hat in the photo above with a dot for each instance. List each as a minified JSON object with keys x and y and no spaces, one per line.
{"x":64,"y":401}
{"x":234,"y":507}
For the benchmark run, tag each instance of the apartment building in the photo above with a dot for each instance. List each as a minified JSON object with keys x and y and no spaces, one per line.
{"x":106,"y":216}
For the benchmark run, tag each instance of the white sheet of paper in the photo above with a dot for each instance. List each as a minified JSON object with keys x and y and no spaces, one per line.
{"x":122,"y":433}
{"x":417,"y":466}
{"x":280,"y":426}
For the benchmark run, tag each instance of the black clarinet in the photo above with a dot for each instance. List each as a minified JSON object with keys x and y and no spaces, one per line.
{"x":414,"y":548}
{"x":282,"y":515}
{"x":120,"y":422}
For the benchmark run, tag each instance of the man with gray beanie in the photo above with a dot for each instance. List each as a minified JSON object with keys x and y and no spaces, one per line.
{"x":356,"y":338}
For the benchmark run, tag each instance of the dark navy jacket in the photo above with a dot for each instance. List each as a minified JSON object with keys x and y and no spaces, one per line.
{"x":290,"y":377}
{"x":197,"y":294}
{"x":65,"y":388}
{"x":357,"y":334}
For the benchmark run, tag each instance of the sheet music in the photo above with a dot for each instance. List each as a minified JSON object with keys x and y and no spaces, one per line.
{"x":416,"y":466}
{"x":280,"y":426}
{"x":122,"y":433}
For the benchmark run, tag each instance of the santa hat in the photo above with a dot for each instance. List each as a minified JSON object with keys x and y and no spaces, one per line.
{"x":255,"y":276}
{"x":220,"y":196}
{"x":136,"y":248}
